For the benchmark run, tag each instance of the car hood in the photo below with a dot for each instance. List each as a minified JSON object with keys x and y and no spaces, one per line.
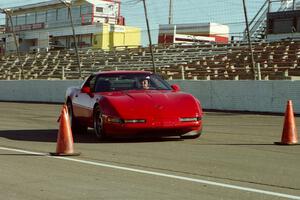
{"x":158,"y":104}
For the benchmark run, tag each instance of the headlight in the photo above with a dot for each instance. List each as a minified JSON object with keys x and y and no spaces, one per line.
{"x":122,"y":121}
{"x":189,"y":119}
{"x":134,"y":121}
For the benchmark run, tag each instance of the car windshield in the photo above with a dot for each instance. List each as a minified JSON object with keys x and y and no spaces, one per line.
{"x":130,"y":81}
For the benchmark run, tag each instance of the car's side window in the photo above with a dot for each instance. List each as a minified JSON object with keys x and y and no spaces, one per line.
{"x":92,"y":84}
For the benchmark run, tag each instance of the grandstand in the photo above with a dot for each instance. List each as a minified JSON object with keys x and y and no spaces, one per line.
{"x":278,"y":60}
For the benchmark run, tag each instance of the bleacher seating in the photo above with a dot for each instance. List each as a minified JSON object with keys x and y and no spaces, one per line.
{"x":277,"y":60}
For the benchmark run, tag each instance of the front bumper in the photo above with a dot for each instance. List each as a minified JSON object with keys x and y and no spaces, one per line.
{"x":152,"y":128}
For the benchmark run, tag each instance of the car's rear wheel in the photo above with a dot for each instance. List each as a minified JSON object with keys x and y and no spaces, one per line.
{"x":76,"y":127}
{"x":98,"y":124}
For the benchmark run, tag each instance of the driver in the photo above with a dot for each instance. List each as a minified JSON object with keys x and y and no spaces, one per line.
{"x":145,"y":83}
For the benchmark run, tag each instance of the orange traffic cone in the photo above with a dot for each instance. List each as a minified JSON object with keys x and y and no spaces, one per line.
{"x":289,"y":132}
{"x":64,"y":138}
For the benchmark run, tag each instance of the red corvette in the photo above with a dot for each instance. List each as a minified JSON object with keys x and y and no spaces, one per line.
{"x":133,"y":103}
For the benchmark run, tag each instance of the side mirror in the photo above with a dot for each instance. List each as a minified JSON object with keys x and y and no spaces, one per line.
{"x":175,"y":87}
{"x":85,"y":89}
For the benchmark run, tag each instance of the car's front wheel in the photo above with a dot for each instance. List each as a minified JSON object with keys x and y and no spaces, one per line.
{"x":76,"y":127}
{"x":98,"y":124}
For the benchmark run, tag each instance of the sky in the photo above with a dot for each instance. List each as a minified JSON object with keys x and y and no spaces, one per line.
{"x":228,"y":12}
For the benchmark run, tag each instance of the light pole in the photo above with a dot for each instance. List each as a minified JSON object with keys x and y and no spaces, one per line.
{"x":249,"y":41}
{"x":68,"y":4}
{"x":149,"y":36}
{"x":171,"y":12}
{"x":8,"y":13}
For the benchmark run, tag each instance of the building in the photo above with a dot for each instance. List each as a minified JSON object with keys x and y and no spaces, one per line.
{"x":193,"y":32}
{"x":283,"y":25}
{"x":274,"y":21}
{"x":46,"y":25}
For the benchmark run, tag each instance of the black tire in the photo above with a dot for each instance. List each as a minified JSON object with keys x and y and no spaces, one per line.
{"x":191,"y":134}
{"x":98,"y":124}
{"x":76,"y":127}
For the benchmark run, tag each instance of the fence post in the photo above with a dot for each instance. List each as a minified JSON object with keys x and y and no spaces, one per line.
{"x":258,"y":71}
{"x":182,"y":72}
{"x":63,"y":73}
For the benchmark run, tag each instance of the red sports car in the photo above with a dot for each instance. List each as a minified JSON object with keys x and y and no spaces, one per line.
{"x":133,"y":103}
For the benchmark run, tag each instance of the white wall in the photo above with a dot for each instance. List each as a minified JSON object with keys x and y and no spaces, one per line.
{"x":257,"y":96}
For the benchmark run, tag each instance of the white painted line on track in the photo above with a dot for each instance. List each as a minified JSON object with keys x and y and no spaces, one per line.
{"x":158,"y":174}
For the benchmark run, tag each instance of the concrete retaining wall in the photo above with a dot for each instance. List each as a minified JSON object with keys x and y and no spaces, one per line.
{"x":35,"y":90}
{"x":256,"y":96}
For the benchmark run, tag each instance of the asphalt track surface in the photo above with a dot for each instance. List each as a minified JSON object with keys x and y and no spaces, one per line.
{"x":235,"y":158}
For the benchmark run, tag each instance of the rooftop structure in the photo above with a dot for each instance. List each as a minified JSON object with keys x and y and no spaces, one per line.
{"x":193,"y":32}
